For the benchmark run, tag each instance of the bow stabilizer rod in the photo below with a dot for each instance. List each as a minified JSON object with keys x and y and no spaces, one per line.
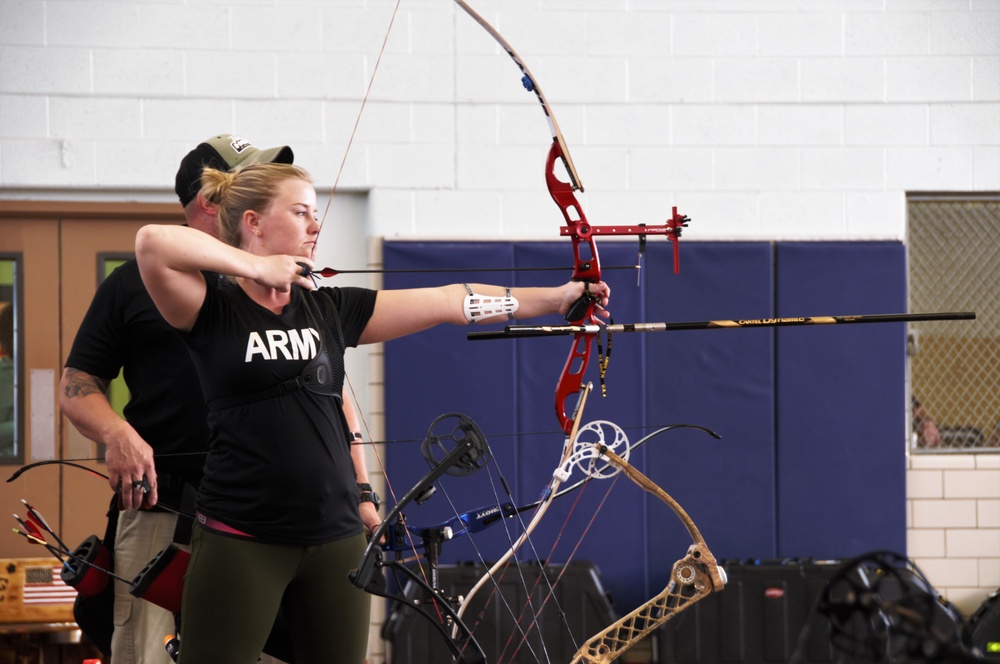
{"x":517,"y":331}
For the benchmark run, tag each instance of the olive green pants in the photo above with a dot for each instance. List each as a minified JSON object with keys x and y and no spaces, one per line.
{"x":233,"y":589}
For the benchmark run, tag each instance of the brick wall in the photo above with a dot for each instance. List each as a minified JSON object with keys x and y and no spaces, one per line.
{"x":954,"y":524}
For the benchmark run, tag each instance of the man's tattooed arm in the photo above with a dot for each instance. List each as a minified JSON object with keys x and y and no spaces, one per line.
{"x":78,"y":383}
{"x":83,"y":400}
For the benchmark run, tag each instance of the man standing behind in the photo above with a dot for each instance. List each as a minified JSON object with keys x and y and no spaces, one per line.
{"x":165,"y":417}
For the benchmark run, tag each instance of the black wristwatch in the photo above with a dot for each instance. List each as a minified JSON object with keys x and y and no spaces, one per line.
{"x":367,"y":495}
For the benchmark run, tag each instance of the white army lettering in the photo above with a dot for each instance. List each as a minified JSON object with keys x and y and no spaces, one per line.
{"x":291,"y":344}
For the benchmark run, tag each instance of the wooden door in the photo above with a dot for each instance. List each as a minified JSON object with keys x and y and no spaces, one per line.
{"x":33,"y":242}
{"x":64,"y":247}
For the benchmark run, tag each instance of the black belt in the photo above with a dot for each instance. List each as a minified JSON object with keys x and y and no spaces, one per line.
{"x":179,"y":494}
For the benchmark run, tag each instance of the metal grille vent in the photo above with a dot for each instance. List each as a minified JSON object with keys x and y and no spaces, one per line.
{"x":954,"y":265}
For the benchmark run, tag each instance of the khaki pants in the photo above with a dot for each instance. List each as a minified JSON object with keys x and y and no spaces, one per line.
{"x":139,"y":625}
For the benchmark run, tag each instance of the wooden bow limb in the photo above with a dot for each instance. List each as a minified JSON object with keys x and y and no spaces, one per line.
{"x":692,"y":578}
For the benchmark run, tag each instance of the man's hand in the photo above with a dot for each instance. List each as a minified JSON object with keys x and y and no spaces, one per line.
{"x":131,"y":470}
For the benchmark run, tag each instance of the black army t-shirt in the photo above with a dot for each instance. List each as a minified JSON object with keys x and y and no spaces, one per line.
{"x":279,"y":467}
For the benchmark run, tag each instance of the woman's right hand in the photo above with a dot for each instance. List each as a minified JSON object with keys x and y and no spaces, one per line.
{"x":281,"y":272}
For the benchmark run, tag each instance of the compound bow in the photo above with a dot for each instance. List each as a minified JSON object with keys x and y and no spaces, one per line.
{"x":469,"y":452}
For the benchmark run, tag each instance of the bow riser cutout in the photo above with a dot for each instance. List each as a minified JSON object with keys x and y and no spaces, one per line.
{"x":692,"y":578}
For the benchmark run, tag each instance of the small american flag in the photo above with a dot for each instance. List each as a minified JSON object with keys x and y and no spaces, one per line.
{"x":43,"y":585}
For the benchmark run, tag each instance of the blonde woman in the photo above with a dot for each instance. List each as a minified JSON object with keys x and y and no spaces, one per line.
{"x":278,"y":507}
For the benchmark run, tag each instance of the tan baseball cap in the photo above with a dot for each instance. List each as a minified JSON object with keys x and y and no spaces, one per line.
{"x":224,"y":152}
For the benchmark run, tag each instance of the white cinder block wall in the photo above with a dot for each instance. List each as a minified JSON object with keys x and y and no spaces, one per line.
{"x":761,"y":119}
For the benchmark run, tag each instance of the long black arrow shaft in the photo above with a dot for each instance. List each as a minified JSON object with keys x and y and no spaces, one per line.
{"x":516,"y":331}
{"x":327,"y":272}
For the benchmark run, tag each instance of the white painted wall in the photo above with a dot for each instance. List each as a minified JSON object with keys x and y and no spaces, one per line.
{"x":761,"y":119}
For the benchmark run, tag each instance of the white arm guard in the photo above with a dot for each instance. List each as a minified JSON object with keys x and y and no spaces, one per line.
{"x":477,"y":307}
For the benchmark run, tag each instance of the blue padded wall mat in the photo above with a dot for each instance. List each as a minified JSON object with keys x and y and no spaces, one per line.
{"x":440,"y":371}
{"x":721,"y":379}
{"x":841,"y":401}
{"x":760,"y":492}
{"x":611,"y":510}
